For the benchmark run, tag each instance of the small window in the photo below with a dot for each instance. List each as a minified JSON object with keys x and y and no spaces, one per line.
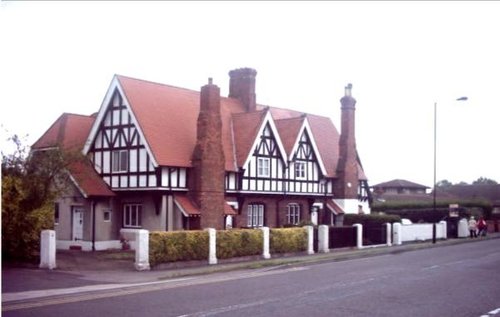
{"x":293,"y":214}
{"x":263,"y":167}
{"x":300,"y":170}
{"x":255,"y":215}
{"x":56,"y":213}
{"x":106,"y":215}
{"x":132,"y":214}
{"x":120,"y":161}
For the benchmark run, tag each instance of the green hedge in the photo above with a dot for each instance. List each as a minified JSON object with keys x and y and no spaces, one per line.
{"x":284,"y":240}
{"x":429,"y":215}
{"x":177,"y":246}
{"x":241,"y":242}
{"x":442,"y":206}
{"x":371,"y":219}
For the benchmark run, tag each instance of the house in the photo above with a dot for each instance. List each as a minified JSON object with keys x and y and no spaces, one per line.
{"x":161,"y":157}
{"x":400,"y":190}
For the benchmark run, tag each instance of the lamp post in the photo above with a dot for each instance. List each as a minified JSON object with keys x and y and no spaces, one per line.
{"x":435,"y":155}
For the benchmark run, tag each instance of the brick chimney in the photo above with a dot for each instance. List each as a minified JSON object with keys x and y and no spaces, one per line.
{"x":242,"y":87}
{"x":207,"y":179}
{"x":347,"y":168}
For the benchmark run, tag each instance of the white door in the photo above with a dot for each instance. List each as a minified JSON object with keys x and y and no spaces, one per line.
{"x":77,"y":223}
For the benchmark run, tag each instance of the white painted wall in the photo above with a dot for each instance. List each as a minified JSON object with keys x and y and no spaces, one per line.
{"x":351,"y":206}
{"x":422,"y":232}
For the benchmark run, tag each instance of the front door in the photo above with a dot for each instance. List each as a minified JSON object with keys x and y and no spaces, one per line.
{"x":77,"y":224}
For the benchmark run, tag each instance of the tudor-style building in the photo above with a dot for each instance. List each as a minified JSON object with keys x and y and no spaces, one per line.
{"x":166,"y":158}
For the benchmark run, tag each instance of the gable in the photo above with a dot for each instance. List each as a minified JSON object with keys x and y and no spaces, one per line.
{"x":117,"y":148}
{"x":305,"y":147}
{"x":267,"y":141}
{"x":116,"y":125}
{"x":323,"y":131}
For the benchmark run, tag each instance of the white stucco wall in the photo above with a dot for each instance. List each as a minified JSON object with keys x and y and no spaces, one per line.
{"x":421,"y":232}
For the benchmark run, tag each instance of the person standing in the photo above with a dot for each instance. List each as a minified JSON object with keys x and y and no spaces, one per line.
{"x":472,"y":227}
{"x":482,"y":227}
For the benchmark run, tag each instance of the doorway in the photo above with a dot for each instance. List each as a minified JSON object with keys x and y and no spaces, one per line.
{"x":77,"y":232}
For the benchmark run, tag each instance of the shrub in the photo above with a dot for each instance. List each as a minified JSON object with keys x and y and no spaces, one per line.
{"x":177,"y":246}
{"x":21,"y":227}
{"x":284,"y":240}
{"x":235,"y":243}
{"x":424,"y":210}
{"x":429,"y":215}
{"x":370,"y":220}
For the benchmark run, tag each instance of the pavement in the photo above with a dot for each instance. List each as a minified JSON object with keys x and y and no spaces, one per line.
{"x":80,"y":272}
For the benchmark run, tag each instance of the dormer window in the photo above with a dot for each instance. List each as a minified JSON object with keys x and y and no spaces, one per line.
{"x":263,"y":169}
{"x":120,"y":161}
{"x":300,"y":170}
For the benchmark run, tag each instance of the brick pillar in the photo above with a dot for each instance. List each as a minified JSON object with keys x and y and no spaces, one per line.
{"x":207,"y":179}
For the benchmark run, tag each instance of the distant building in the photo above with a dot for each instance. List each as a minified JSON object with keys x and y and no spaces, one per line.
{"x":159,"y":157}
{"x":399,"y":190}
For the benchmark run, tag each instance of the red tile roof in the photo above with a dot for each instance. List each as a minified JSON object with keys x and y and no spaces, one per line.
{"x":69,"y":132}
{"x":167,"y":115}
{"x":228,"y":210}
{"x":399,"y":183}
{"x":245,"y":127}
{"x":187,"y":206}
{"x":88,"y":181}
{"x":190,"y":208}
{"x":289,"y":130}
{"x":334,"y":207}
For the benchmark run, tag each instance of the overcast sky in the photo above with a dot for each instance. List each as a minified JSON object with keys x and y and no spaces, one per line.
{"x":401,"y":58}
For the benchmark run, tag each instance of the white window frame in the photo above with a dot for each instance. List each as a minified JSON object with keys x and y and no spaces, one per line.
{"x":263,"y":167}
{"x":119,"y":161}
{"x":255,"y":216}
{"x":293,"y":213}
{"x":300,"y":170}
{"x":129,"y":219}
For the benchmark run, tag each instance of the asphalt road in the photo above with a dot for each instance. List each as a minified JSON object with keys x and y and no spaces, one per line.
{"x":457,"y":280}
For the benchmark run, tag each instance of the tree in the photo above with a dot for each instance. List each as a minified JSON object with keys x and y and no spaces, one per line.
{"x":30,"y":182}
{"x":484,"y":181}
{"x":444,"y":183}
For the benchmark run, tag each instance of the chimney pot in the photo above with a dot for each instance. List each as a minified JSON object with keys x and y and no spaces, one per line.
{"x":210,"y":81}
{"x":348,"y":89}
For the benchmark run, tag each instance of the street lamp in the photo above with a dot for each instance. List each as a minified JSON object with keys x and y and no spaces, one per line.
{"x":434,"y":190}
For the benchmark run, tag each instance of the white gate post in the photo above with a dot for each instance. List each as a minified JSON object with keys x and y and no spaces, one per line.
{"x":310,"y":239}
{"x":444,"y":227}
{"x":396,"y":233}
{"x":48,"y":249}
{"x":463,"y":228}
{"x":212,"y":245}
{"x":388,"y":236}
{"x":323,"y":243}
{"x":265,"y":244}
{"x":142,"y":250}
{"x":359,"y":235}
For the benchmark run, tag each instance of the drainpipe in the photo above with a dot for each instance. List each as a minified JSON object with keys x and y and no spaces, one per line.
{"x":92,"y":207}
